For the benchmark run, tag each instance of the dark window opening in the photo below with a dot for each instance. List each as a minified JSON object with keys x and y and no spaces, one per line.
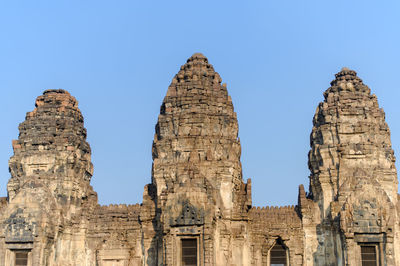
{"x":189,"y":252}
{"x":368,"y":255}
{"x":21,"y":258}
{"x":278,"y":255}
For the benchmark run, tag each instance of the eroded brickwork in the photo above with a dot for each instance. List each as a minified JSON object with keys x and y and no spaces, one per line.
{"x":115,"y":234}
{"x":197,"y":193}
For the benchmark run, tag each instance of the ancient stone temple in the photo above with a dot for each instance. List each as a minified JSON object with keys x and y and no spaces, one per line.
{"x":197,"y":209}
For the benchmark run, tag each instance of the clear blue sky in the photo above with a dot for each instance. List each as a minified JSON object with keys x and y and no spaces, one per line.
{"x":118,"y":58}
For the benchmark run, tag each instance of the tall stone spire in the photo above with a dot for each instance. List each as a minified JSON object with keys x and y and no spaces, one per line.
{"x":52,"y":150}
{"x":197,"y":185}
{"x":196,"y":140}
{"x":349,"y":135}
{"x":353,"y":181}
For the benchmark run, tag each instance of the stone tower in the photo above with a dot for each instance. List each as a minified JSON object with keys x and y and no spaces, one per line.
{"x":50,"y":179}
{"x":52,"y":149}
{"x":197,"y":174}
{"x":353,"y":177}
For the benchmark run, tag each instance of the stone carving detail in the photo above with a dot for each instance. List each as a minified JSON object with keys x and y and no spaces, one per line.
{"x":189,"y":216}
{"x":19,"y":228}
{"x":197,"y":190}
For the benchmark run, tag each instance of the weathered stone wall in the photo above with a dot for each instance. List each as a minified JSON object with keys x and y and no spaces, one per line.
{"x":115,"y":234}
{"x":197,"y":190}
{"x":271,"y":224}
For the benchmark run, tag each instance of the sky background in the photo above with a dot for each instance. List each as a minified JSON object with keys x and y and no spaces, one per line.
{"x":118,"y":58}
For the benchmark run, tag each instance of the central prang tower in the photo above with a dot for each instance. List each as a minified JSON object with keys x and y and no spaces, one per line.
{"x":197,"y":175}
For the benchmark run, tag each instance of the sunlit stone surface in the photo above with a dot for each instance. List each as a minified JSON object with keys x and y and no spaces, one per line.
{"x":197,"y":209}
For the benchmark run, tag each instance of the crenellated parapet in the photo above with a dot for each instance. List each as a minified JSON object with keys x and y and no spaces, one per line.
{"x":113,"y":209}
{"x":273,"y":215}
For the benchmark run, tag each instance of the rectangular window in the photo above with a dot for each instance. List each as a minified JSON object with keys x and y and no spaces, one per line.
{"x":368,"y":256}
{"x":278,"y":255}
{"x":21,"y":258}
{"x":189,"y":252}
